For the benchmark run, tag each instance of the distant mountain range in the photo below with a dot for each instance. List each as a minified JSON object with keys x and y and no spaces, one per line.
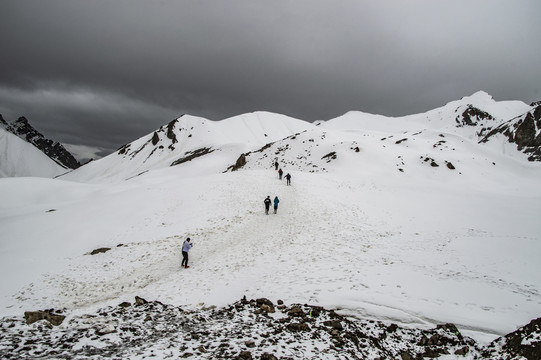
{"x":477,"y":118}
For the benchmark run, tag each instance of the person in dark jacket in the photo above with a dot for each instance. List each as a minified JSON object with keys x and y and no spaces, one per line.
{"x":288,"y":178}
{"x":185,"y":248}
{"x":276,"y":201}
{"x":267,"y":204}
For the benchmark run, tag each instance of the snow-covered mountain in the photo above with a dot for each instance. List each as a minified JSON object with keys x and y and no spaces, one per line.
{"x":464,"y":121}
{"x":409,"y":220}
{"x":20,"y":158}
{"x":190,"y":137}
{"x":53,"y":149}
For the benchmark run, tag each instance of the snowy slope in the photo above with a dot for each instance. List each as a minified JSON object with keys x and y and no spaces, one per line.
{"x":222,"y":141}
{"x":370,"y":226}
{"x":20,"y":158}
{"x":449,"y":117}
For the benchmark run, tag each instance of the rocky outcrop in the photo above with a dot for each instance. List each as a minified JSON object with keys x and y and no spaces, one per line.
{"x":52,"y":149}
{"x":189,"y":156}
{"x":525,"y":343}
{"x":3,"y":123}
{"x":524,"y":131}
{"x":248,"y":329}
{"x":48,"y":315}
{"x":100,"y":251}
{"x":241,"y":161}
{"x":472,"y":116}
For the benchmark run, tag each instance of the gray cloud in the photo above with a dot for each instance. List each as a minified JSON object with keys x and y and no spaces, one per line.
{"x":102,"y":73}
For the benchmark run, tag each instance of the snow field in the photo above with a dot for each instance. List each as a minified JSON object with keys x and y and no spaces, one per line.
{"x":377,"y":249}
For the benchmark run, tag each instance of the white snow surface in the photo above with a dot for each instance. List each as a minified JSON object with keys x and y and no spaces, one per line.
{"x":375,"y":233}
{"x":20,"y":158}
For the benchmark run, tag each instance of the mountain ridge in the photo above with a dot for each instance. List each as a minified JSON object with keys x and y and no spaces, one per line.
{"x":53,"y":149}
{"x":267,"y":136}
{"x":190,"y":137}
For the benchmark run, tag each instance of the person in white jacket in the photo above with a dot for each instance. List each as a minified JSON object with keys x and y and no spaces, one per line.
{"x":185,"y":248}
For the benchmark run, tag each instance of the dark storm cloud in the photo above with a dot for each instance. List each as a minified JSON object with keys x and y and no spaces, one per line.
{"x":102,"y":73}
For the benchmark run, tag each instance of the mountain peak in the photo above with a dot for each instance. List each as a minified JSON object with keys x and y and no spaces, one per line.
{"x":22,"y":120}
{"x":3,"y":122}
{"x":54,"y":150}
{"x":479,"y":96}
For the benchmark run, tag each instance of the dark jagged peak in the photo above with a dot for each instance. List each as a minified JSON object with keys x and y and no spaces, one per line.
{"x":53,"y":149}
{"x":3,"y":122}
{"x":535,"y":103}
{"x":525,"y":131}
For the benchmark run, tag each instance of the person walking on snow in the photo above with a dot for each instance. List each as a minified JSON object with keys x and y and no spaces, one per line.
{"x":267,"y":205}
{"x":276,"y":165}
{"x":276,"y":201}
{"x":288,"y":178}
{"x":280,"y":172}
{"x":185,"y":248}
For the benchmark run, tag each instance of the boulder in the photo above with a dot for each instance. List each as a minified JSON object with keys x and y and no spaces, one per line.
{"x":33,"y":316}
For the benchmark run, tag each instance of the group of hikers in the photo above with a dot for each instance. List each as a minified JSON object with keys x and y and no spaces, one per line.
{"x":280,"y":173}
{"x":187,"y":245}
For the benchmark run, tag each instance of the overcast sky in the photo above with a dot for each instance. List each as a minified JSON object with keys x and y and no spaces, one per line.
{"x":104,"y":73}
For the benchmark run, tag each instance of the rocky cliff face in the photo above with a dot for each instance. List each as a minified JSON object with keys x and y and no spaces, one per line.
{"x":52,"y":149}
{"x":524,"y":131}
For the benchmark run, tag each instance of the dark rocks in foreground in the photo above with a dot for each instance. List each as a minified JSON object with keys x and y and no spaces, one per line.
{"x":247,"y":329}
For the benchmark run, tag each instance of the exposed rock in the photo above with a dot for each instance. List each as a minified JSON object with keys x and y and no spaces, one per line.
{"x":296,"y":311}
{"x":171,"y":131}
{"x":241,"y":161}
{"x":100,"y":250}
{"x":330,"y":156}
{"x":401,"y":140}
{"x":335,"y":324}
{"x":244,"y":355}
{"x":228,"y":333}
{"x":524,"y":131}
{"x":33,"y":316}
{"x":107,"y":329}
{"x":3,"y":122}
{"x":294,"y":327}
{"x":522,"y":343}
{"x":406,"y":356}
{"x":192,"y":155}
{"x":462,"y":351}
{"x":472,"y":115}
{"x":53,"y":149}
{"x":155,"y":138}
{"x":140,"y":301}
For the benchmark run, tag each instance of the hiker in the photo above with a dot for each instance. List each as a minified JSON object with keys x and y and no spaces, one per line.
{"x":288,"y":178}
{"x":276,"y":201}
{"x":276,"y":165}
{"x":185,"y":248}
{"x":280,"y":172}
{"x":267,"y":204}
